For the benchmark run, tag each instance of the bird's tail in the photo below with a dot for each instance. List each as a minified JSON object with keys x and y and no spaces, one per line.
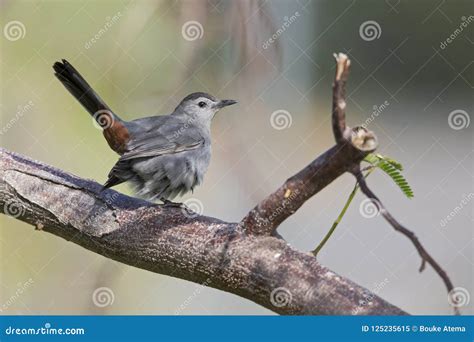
{"x":83,"y":92}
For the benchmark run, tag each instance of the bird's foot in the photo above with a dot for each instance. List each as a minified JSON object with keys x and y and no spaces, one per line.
{"x":168,"y":203}
{"x":188,"y":212}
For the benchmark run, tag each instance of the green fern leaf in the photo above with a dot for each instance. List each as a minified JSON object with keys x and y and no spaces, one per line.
{"x":393,"y":169}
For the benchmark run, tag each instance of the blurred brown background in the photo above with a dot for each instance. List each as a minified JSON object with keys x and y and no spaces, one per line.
{"x":272,"y":56}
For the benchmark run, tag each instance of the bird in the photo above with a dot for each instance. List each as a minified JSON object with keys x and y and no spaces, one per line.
{"x":162,"y":156}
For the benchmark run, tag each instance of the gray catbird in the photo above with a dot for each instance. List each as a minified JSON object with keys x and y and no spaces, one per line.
{"x":163,"y":156}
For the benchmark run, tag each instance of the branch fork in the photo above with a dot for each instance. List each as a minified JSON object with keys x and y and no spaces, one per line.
{"x":352,"y":145}
{"x":248,"y":258}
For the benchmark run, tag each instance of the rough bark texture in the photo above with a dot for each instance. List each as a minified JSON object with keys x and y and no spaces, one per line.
{"x":246,"y":258}
{"x":166,"y":240}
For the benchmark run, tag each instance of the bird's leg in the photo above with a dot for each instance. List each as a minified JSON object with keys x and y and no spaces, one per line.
{"x":187,"y":211}
{"x":168,"y":203}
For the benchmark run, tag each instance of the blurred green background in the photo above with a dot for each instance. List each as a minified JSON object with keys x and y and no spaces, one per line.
{"x":142,"y":57}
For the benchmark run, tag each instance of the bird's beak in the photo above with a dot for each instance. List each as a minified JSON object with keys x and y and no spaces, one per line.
{"x":225,"y":103}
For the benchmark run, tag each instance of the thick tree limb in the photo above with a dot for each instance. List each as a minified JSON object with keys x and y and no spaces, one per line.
{"x":243,"y":258}
{"x":166,"y":240}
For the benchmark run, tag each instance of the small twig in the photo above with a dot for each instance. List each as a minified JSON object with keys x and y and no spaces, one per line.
{"x":338,"y":97}
{"x":425,"y":256}
{"x":368,"y":168}
{"x":336,"y":223}
{"x":341,"y":214}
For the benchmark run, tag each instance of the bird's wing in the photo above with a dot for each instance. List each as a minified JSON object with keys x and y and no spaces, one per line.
{"x":152,"y":149}
{"x":170,"y":136}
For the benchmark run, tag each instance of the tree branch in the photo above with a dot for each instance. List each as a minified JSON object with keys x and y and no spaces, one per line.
{"x":168,"y":241}
{"x":339,"y":98}
{"x":425,"y":256}
{"x":352,"y":145}
{"x":244,"y":259}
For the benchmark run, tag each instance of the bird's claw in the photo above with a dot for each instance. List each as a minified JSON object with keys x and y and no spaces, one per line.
{"x":168,"y":203}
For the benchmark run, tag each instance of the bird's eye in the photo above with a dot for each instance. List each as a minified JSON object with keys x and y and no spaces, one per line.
{"x":202,"y":104}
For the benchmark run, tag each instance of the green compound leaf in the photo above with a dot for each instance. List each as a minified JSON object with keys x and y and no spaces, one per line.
{"x":393,"y":169}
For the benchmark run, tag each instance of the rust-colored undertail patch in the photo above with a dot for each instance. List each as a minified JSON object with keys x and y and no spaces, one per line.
{"x":117,"y":136}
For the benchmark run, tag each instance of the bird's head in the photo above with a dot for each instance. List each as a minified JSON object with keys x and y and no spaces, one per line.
{"x":202,"y":106}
